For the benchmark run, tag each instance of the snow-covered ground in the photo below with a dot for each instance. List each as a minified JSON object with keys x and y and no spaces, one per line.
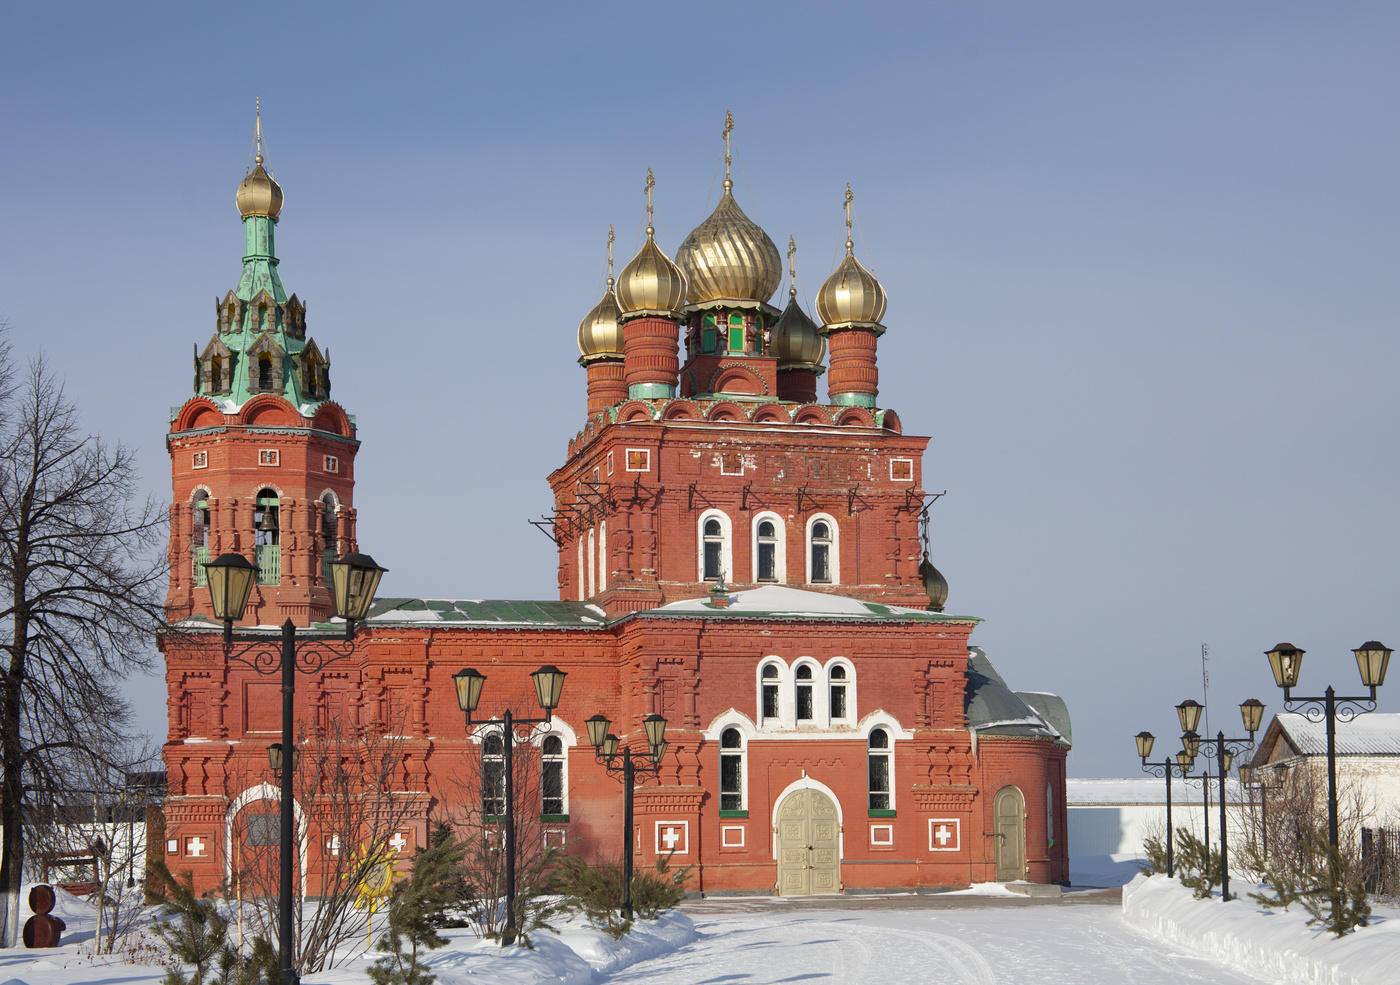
{"x":1159,"y":935}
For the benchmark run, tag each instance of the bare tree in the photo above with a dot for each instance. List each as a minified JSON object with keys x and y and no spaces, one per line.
{"x":354,"y":788}
{"x":80,"y":598}
{"x":479,"y":820}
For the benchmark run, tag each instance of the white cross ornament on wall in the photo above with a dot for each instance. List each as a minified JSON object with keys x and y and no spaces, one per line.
{"x":671,"y":837}
{"x":398,"y":841}
{"x":195,"y":847}
{"x":943,"y":835}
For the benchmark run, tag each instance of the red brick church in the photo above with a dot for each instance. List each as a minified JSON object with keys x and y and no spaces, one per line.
{"x":735,"y":554}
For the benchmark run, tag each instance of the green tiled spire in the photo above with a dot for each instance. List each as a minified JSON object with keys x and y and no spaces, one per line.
{"x":261,"y":344}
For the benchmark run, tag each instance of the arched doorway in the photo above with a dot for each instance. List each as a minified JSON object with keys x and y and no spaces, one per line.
{"x":1009,"y":809}
{"x":809,"y":857}
{"x":255,"y":850}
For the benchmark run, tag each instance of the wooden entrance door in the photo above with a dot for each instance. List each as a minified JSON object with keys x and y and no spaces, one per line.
{"x":1010,"y":810}
{"x":809,"y":862}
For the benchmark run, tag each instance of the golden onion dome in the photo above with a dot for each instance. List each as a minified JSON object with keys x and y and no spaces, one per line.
{"x":796,"y":338}
{"x":851,"y":296}
{"x":729,"y":257}
{"x":650,"y":284}
{"x":599,"y":334}
{"x":258,"y":193}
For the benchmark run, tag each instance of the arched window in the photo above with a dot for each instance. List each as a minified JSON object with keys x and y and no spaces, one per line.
{"x":592,"y":561}
{"x":879,"y":757}
{"x":736,"y":332}
{"x":216,"y":374}
{"x":731,"y":770}
{"x":823,"y":551}
{"x":582,"y":577}
{"x":552,"y":786}
{"x":837,"y":678}
{"x":714,"y":550}
{"x":770,"y":694}
{"x":804,"y":693}
{"x":716,"y":558}
{"x":767,"y":552}
{"x":264,"y":372}
{"x":267,"y":537}
{"x":493,"y":776}
{"x":602,"y":554}
{"x":199,"y":537}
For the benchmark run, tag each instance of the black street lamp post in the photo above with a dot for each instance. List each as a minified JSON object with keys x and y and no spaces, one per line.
{"x":1165,"y":769}
{"x":549,"y":685}
{"x":624,"y":763}
{"x":355,"y":578}
{"x":1252,"y":713}
{"x":1372,"y":658}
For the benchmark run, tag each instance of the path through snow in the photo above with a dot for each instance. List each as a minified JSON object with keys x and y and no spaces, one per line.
{"x":1042,"y":945}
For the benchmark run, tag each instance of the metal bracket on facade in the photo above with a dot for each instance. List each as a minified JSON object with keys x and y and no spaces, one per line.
{"x":910,"y":499}
{"x":744,"y":504}
{"x":597,"y":494}
{"x":541,"y":524}
{"x":851,"y":499}
{"x":690,"y":499}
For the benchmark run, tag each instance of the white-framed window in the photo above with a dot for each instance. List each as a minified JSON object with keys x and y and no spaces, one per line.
{"x":804,"y":699}
{"x":269,"y":457}
{"x":716,"y":556}
{"x":901,"y":470}
{"x":610,"y":463}
{"x":554,"y":776}
{"x":731,"y":770}
{"x":769,"y":549}
{"x":602,"y":555}
{"x":878,"y":756}
{"x":582,"y":573}
{"x":638,"y":459}
{"x":330,"y":464}
{"x":592,"y":561}
{"x":200,"y":460}
{"x":840,"y":692}
{"x":493,"y":775}
{"x":823,"y":550}
{"x":770,"y":688}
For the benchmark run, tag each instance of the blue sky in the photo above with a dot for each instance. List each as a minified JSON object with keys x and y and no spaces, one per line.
{"x":1141,"y":261}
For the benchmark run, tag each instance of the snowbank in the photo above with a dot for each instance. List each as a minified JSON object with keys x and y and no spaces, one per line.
{"x":1271,"y":944}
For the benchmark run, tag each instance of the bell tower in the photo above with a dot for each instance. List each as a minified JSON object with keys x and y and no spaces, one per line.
{"x":262,"y":461}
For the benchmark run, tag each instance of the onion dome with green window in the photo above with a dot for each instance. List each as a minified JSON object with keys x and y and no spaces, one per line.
{"x":728,"y":258}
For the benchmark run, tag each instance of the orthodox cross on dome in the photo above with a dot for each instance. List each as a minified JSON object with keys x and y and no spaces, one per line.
{"x":850,"y":244}
{"x":257,"y":130}
{"x":650,"y":185}
{"x":792,"y":266}
{"x":611,"y":237}
{"x":728,"y":129}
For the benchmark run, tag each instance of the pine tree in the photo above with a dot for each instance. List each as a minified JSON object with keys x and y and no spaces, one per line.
{"x":416,"y":912}
{"x":200,"y":938}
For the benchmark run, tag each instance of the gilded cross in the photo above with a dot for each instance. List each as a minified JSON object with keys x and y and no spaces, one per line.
{"x":651,"y":184}
{"x":849,"y":199}
{"x":728,"y":129}
{"x":257,"y":129}
{"x":792,"y":263}
{"x":611,"y":237}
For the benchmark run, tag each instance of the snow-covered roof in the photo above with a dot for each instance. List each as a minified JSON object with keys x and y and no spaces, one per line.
{"x":992,"y":708}
{"x":496,"y":613}
{"x":1112,"y":792}
{"x":778,"y":601}
{"x":1376,"y":734}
